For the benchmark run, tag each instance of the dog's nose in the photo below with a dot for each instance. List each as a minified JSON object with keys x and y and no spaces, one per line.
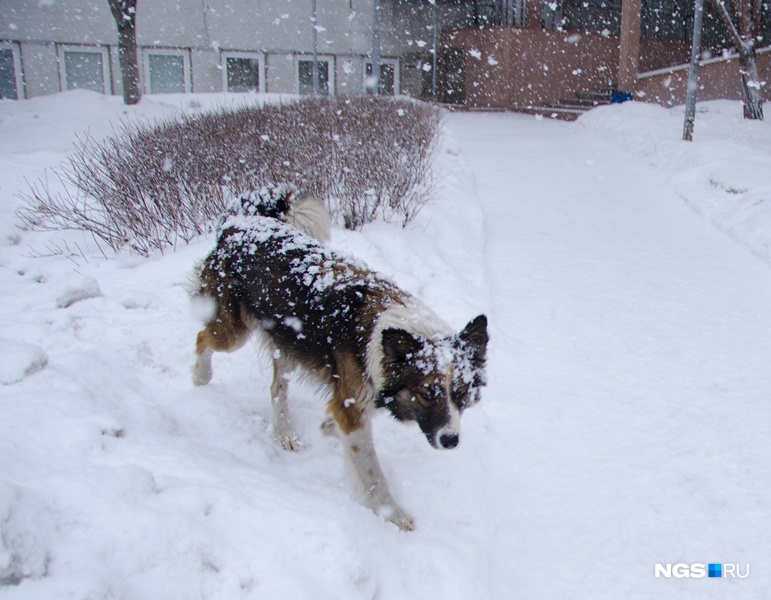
{"x":449,"y":440}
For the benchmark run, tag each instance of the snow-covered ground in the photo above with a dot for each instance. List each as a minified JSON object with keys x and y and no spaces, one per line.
{"x":627,"y":421}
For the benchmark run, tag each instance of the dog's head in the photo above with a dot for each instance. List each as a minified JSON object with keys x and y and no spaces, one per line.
{"x":432,"y":382}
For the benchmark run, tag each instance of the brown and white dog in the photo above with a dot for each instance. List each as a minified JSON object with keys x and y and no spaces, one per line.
{"x":371,"y":344}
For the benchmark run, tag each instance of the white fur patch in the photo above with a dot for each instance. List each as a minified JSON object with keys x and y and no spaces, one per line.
{"x":311,"y":217}
{"x":452,"y":427}
{"x":411,"y":316}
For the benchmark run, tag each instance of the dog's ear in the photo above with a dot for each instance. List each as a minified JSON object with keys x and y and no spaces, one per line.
{"x":398,"y":345}
{"x":475,"y":333}
{"x":474,"y":337}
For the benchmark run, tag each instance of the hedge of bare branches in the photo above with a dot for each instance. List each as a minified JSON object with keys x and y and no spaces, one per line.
{"x":149,"y":186}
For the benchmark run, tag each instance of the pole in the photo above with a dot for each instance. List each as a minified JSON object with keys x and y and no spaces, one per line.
{"x":433,"y":60}
{"x":375,"y":89}
{"x":693,"y":73}
{"x":315,"y":43}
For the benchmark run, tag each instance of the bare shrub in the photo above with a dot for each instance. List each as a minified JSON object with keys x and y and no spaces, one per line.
{"x":149,"y":186}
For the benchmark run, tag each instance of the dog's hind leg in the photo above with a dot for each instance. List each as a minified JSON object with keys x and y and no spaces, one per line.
{"x":226,"y":332}
{"x":202,"y":370}
{"x":283,"y":431}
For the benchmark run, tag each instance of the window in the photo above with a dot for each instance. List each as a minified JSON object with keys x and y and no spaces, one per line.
{"x":243,"y":72}
{"x":453,"y":82}
{"x":84,"y":68}
{"x":388,"y":82}
{"x":10,"y":73}
{"x":305,"y":75}
{"x":167,"y":71}
{"x":592,"y":16}
{"x":666,"y":20}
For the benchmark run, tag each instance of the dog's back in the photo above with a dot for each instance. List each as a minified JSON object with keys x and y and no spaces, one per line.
{"x":251,"y":234}
{"x":270,"y":273}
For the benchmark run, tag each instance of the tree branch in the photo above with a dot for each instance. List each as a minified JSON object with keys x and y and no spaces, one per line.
{"x":721,"y":8}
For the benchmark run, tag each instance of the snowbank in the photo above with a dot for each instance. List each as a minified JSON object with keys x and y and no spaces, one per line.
{"x":724,"y":174}
{"x":120,"y":479}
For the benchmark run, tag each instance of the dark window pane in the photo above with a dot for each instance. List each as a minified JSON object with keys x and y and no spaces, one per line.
{"x":305,"y":74}
{"x":387,"y":81}
{"x":167,"y":74}
{"x":243,"y":74}
{"x":84,"y":71}
{"x":592,"y":15}
{"x":8,"y":89}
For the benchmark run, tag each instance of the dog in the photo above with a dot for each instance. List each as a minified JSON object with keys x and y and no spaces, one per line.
{"x":369,"y":343}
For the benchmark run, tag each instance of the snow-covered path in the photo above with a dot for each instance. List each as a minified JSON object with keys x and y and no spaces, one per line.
{"x":630,"y":377}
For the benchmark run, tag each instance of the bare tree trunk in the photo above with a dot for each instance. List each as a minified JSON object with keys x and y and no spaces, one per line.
{"x":124,"y":12}
{"x":749,"y":27}
{"x":753,"y":100}
{"x":745,"y":42}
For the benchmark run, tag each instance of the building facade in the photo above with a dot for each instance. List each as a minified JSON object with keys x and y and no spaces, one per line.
{"x":570,"y":54}
{"x":478,"y":53}
{"x":47,"y":46}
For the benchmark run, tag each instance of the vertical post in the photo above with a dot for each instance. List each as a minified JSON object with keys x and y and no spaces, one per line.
{"x":629,"y":52}
{"x":315,"y":44}
{"x":375,"y":89}
{"x":693,"y":73}
{"x":434,"y":61}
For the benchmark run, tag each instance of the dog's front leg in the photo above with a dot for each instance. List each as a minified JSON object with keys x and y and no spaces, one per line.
{"x":361,"y":450}
{"x":351,"y":406}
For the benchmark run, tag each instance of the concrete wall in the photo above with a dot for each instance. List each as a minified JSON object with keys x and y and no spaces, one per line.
{"x":206,"y":71}
{"x":280,"y":73}
{"x":63,"y":21}
{"x":280,"y":29}
{"x":268,"y":25}
{"x":349,"y":74}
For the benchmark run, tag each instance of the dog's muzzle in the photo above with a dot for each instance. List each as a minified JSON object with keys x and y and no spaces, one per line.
{"x":448,"y":441}
{"x":446,"y":438}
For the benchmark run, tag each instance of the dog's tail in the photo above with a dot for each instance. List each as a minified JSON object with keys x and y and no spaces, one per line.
{"x":286,"y":203}
{"x":309,"y":216}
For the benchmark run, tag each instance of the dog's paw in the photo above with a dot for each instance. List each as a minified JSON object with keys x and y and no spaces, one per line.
{"x":202,"y":374}
{"x":329,"y":427}
{"x":288,"y":440}
{"x":398,"y":517}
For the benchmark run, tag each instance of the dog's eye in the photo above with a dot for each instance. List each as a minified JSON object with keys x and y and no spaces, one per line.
{"x":459,"y":392}
{"x":425,"y":393}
